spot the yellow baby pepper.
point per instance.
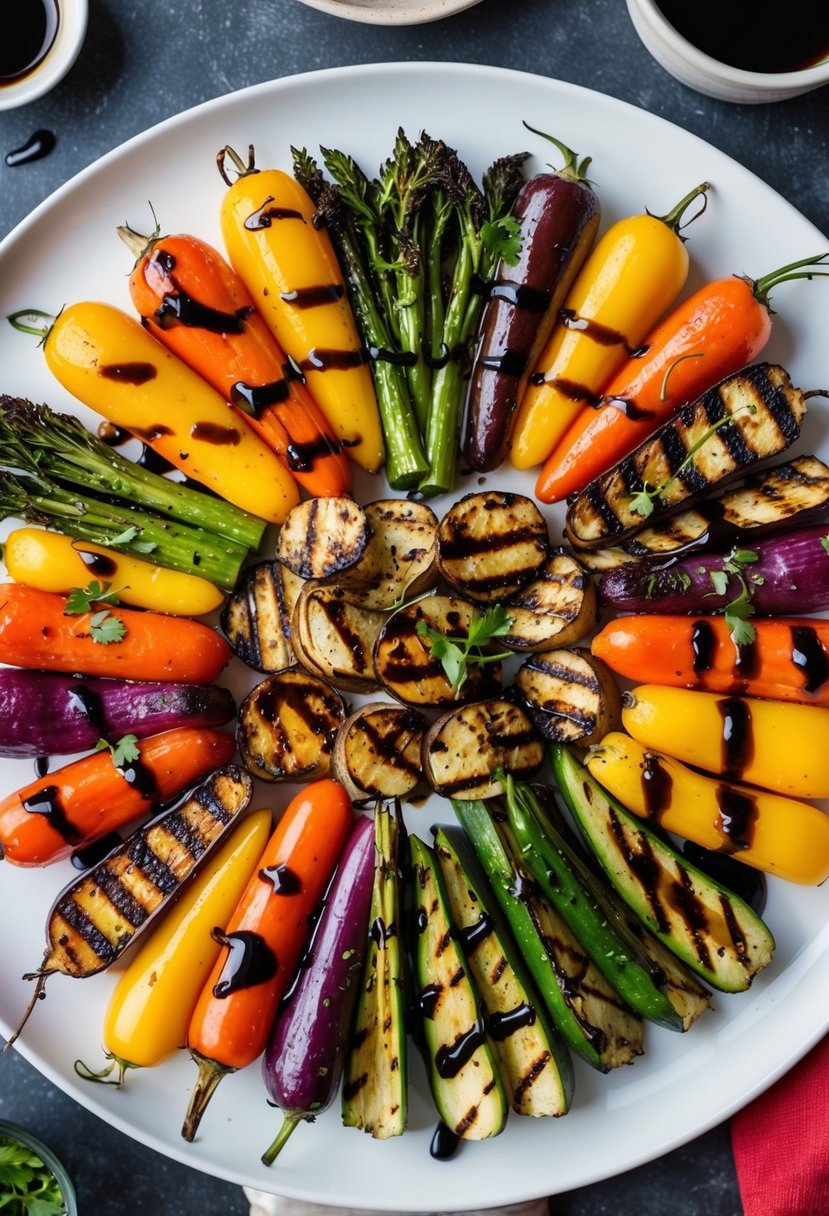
(150, 1007)
(51, 561)
(106, 359)
(291, 269)
(779, 835)
(631, 277)
(781, 746)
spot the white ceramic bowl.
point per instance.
(72, 23)
(391, 12)
(699, 71)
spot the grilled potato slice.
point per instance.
(400, 559)
(757, 414)
(334, 638)
(322, 536)
(403, 660)
(464, 748)
(377, 751)
(256, 619)
(286, 726)
(490, 544)
(557, 608)
(570, 695)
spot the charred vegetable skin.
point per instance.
(304, 1059)
(559, 216)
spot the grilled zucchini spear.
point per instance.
(100, 913)
(535, 1065)
(463, 1070)
(711, 929)
(375, 1076)
(748, 417)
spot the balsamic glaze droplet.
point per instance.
(444, 1143)
(37, 146)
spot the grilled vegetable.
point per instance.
(748, 417)
(559, 216)
(406, 667)
(334, 638)
(712, 930)
(67, 809)
(588, 1013)
(633, 274)
(463, 1071)
(722, 327)
(570, 696)
(107, 360)
(290, 268)
(787, 658)
(400, 557)
(491, 543)
(150, 1007)
(777, 835)
(796, 491)
(535, 1066)
(556, 608)
(286, 726)
(464, 749)
(375, 1076)
(322, 537)
(256, 618)
(552, 864)
(304, 1059)
(100, 913)
(264, 939)
(377, 751)
(192, 301)
(764, 579)
(51, 562)
(778, 746)
(45, 714)
(39, 631)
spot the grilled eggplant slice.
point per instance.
(536, 1067)
(375, 1075)
(334, 638)
(377, 751)
(403, 660)
(464, 748)
(750, 416)
(491, 544)
(322, 537)
(769, 500)
(712, 930)
(400, 558)
(286, 726)
(463, 1071)
(557, 608)
(108, 906)
(589, 1014)
(571, 696)
(256, 618)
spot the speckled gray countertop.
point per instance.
(143, 62)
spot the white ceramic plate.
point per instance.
(67, 250)
(391, 12)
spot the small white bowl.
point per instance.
(699, 71)
(391, 12)
(71, 31)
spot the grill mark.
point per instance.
(86, 929)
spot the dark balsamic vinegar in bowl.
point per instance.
(28, 40)
(762, 36)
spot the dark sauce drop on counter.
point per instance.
(767, 36)
(37, 146)
(27, 39)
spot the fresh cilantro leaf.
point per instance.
(503, 236)
(736, 618)
(123, 752)
(719, 581)
(106, 629)
(81, 599)
(824, 542)
(145, 546)
(124, 538)
(456, 653)
(27, 1185)
(642, 503)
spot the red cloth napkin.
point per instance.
(781, 1143)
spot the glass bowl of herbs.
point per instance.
(32, 1180)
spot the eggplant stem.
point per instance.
(38, 994)
(210, 1074)
(292, 1120)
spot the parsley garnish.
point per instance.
(27, 1185)
(738, 610)
(123, 752)
(824, 541)
(81, 599)
(503, 236)
(104, 628)
(456, 653)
